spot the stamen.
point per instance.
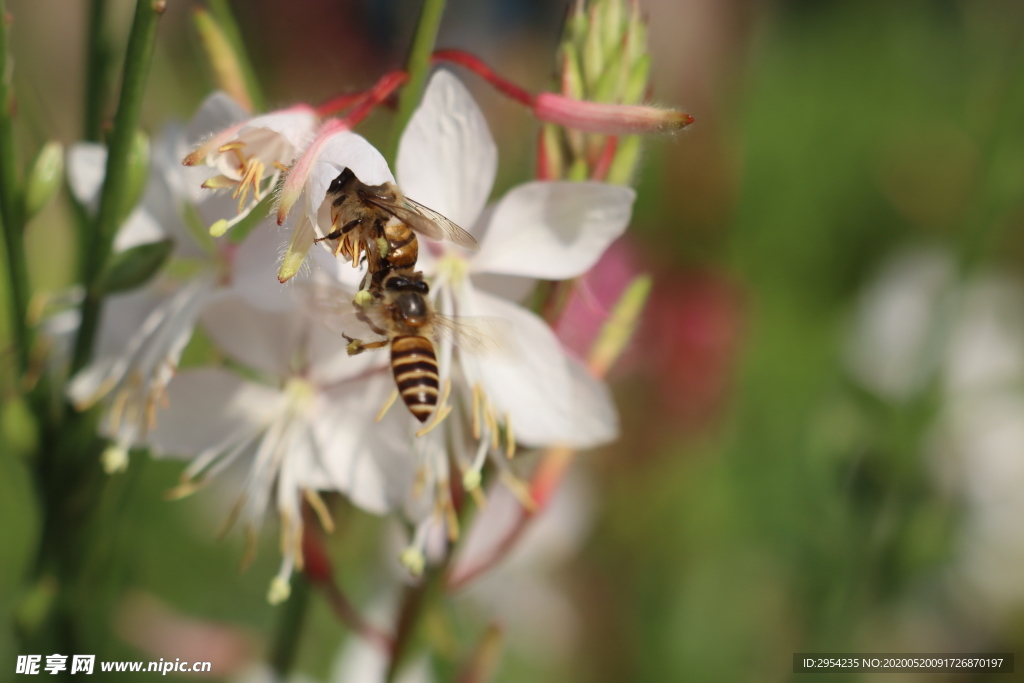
(387, 405)
(519, 489)
(450, 517)
(412, 558)
(280, 585)
(114, 459)
(250, 550)
(492, 423)
(471, 477)
(281, 167)
(219, 182)
(442, 411)
(320, 508)
(510, 437)
(117, 408)
(232, 517)
(476, 411)
(182, 490)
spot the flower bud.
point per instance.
(227, 69)
(44, 178)
(609, 119)
(138, 172)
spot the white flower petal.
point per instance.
(888, 348)
(217, 112)
(295, 126)
(347, 150)
(596, 417)
(533, 385)
(254, 271)
(553, 230)
(345, 446)
(205, 406)
(139, 228)
(447, 158)
(87, 166)
(264, 340)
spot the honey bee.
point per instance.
(400, 312)
(381, 222)
(404, 316)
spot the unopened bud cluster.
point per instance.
(604, 69)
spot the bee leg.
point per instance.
(338, 233)
(357, 346)
(361, 314)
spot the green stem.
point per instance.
(285, 647)
(418, 66)
(11, 209)
(415, 601)
(221, 10)
(115, 186)
(97, 70)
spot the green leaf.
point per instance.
(133, 267)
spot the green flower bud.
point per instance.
(138, 173)
(227, 68)
(45, 176)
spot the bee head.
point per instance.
(339, 183)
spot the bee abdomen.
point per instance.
(415, 368)
(403, 247)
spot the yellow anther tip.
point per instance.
(219, 228)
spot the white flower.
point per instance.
(918, 324)
(308, 428)
(553, 230)
(533, 394)
(897, 318)
(249, 155)
(143, 333)
(334, 149)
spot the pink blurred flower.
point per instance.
(688, 343)
(594, 296)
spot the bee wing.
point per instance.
(426, 222)
(333, 308)
(479, 335)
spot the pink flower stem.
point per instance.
(381, 91)
(339, 103)
(477, 66)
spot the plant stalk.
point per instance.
(97, 70)
(114, 196)
(11, 207)
(417, 66)
(285, 647)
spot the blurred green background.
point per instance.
(761, 501)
